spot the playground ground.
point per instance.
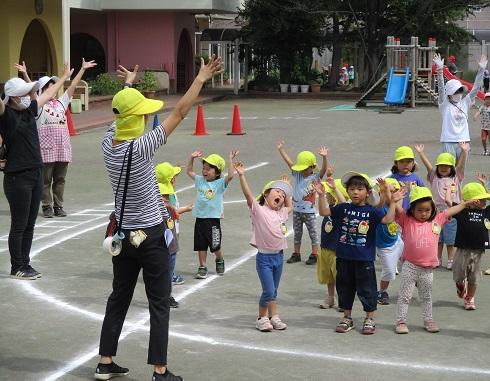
(50, 327)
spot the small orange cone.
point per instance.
(236, 127)
(69, 121)
(200, 127)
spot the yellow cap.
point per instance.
(339, 185)
(446, 158)
(165, 173)
(474, 191)
(346, 177)
(130, 106)
(216, 160)
(390, 181)
(403, 152)
(304, 160)
(277, 184)
(419, 192)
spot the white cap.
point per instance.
(43, 81)
(487, 95)
(454, 85)
(17, 87)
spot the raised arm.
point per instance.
(476, 115)
(483, 180)
(323, 207)
(465, 147)
(482, 65)
(78, 77)
(128, 76)
(207, 71)
(460, 207)
(420, 148)
(240, 169)
(53, 90)
(284, 155)
(439, 62)
(23, 69)
(323, 152)
(190, 165)
(340, 196)
(231, 169)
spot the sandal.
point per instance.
(329, 303)
(368, 327)
(345, 325)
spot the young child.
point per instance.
(166, 176)
(208, 208)
(471, 242)
(484, 112)
(326, 270)
(356, 247)
(421, 226)
(389, 247)
(304, 211)
(446, 175)
(269, 215)
(403, 171)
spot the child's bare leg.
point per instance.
(471, 290)
(202, 257)
(331, 294)
(314, 249)
(383, 285)
(219, 254)
(262, 311)
(450, 252)
(272, 308)
(440, 247)
(484, 144)
(297, 248)
(347, 313)
(370, 315)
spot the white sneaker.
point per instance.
(277, 323)
(264, 324)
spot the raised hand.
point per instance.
(88, 64)
(384, 188)
(285, 178)
(398, 195)
(127, 75)
(482, 178)
(438, 60)
(323, 151)
(280, 144)
(419, 148)
(209, 70)
(239, 167)
(21, 68)
(464, 146)
(233, 154)
(331, 182)
(318, 187)
(67, 72)
(483, 62)
(196, 154)
(330, 170)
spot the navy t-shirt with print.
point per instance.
(357, 235)
(329, 234)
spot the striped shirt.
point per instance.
(144, 205)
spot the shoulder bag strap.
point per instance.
(126, 182)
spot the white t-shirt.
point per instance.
(455, 120)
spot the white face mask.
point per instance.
(24, 102)
(456, 97)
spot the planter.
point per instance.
(294, 88)
(305, 88)
(284, 87)
(315, 87)
(150, 94)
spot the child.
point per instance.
(389, 247)
(166, 174)
(471, 242)
(304, 211)
(484, 112)
(356, 247)
(446, 175)
(326, 270)
(421, 226)
(269, 215)
(403, 171)
(208, 208)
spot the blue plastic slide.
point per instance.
(397, 87)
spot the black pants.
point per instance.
(153, 257)
(356, 276)
(23, 191)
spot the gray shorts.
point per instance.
(466, 265)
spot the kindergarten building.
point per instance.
(156, 34)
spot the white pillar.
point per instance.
(236, 64)
(65, 26)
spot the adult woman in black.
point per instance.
(22, 182)
(145, 215)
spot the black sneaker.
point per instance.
(47, 211)
(108, 371)
(311, 260)
(167, 376)
(295, 257)
(34, 271)
(59, 212)
(24, 273)
(173, 302)
(383, 298)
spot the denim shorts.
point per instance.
(448, 232)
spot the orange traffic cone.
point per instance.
(200, 127)
(69, 121)
(236, 127)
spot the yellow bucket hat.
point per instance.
(474, 191)
(130, 106)
(165, 173)
(419, 192)
(304, 160)
(403, 152)
(346, 177)
(446, 158)
(215, 160)
(339, 185)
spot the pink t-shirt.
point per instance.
(268, 228)
(421, 239)
(438, 184)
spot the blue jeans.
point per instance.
(269, 269)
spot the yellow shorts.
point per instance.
(326, 268)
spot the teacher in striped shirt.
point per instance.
(144, 211)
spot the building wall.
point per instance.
(94, 24)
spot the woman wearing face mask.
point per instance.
(454, 104)
(22, 182)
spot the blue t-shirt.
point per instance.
(303, 192)
(357, 236)
(209, 199)
(410, 181)
(330, 234)
(387, 235)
